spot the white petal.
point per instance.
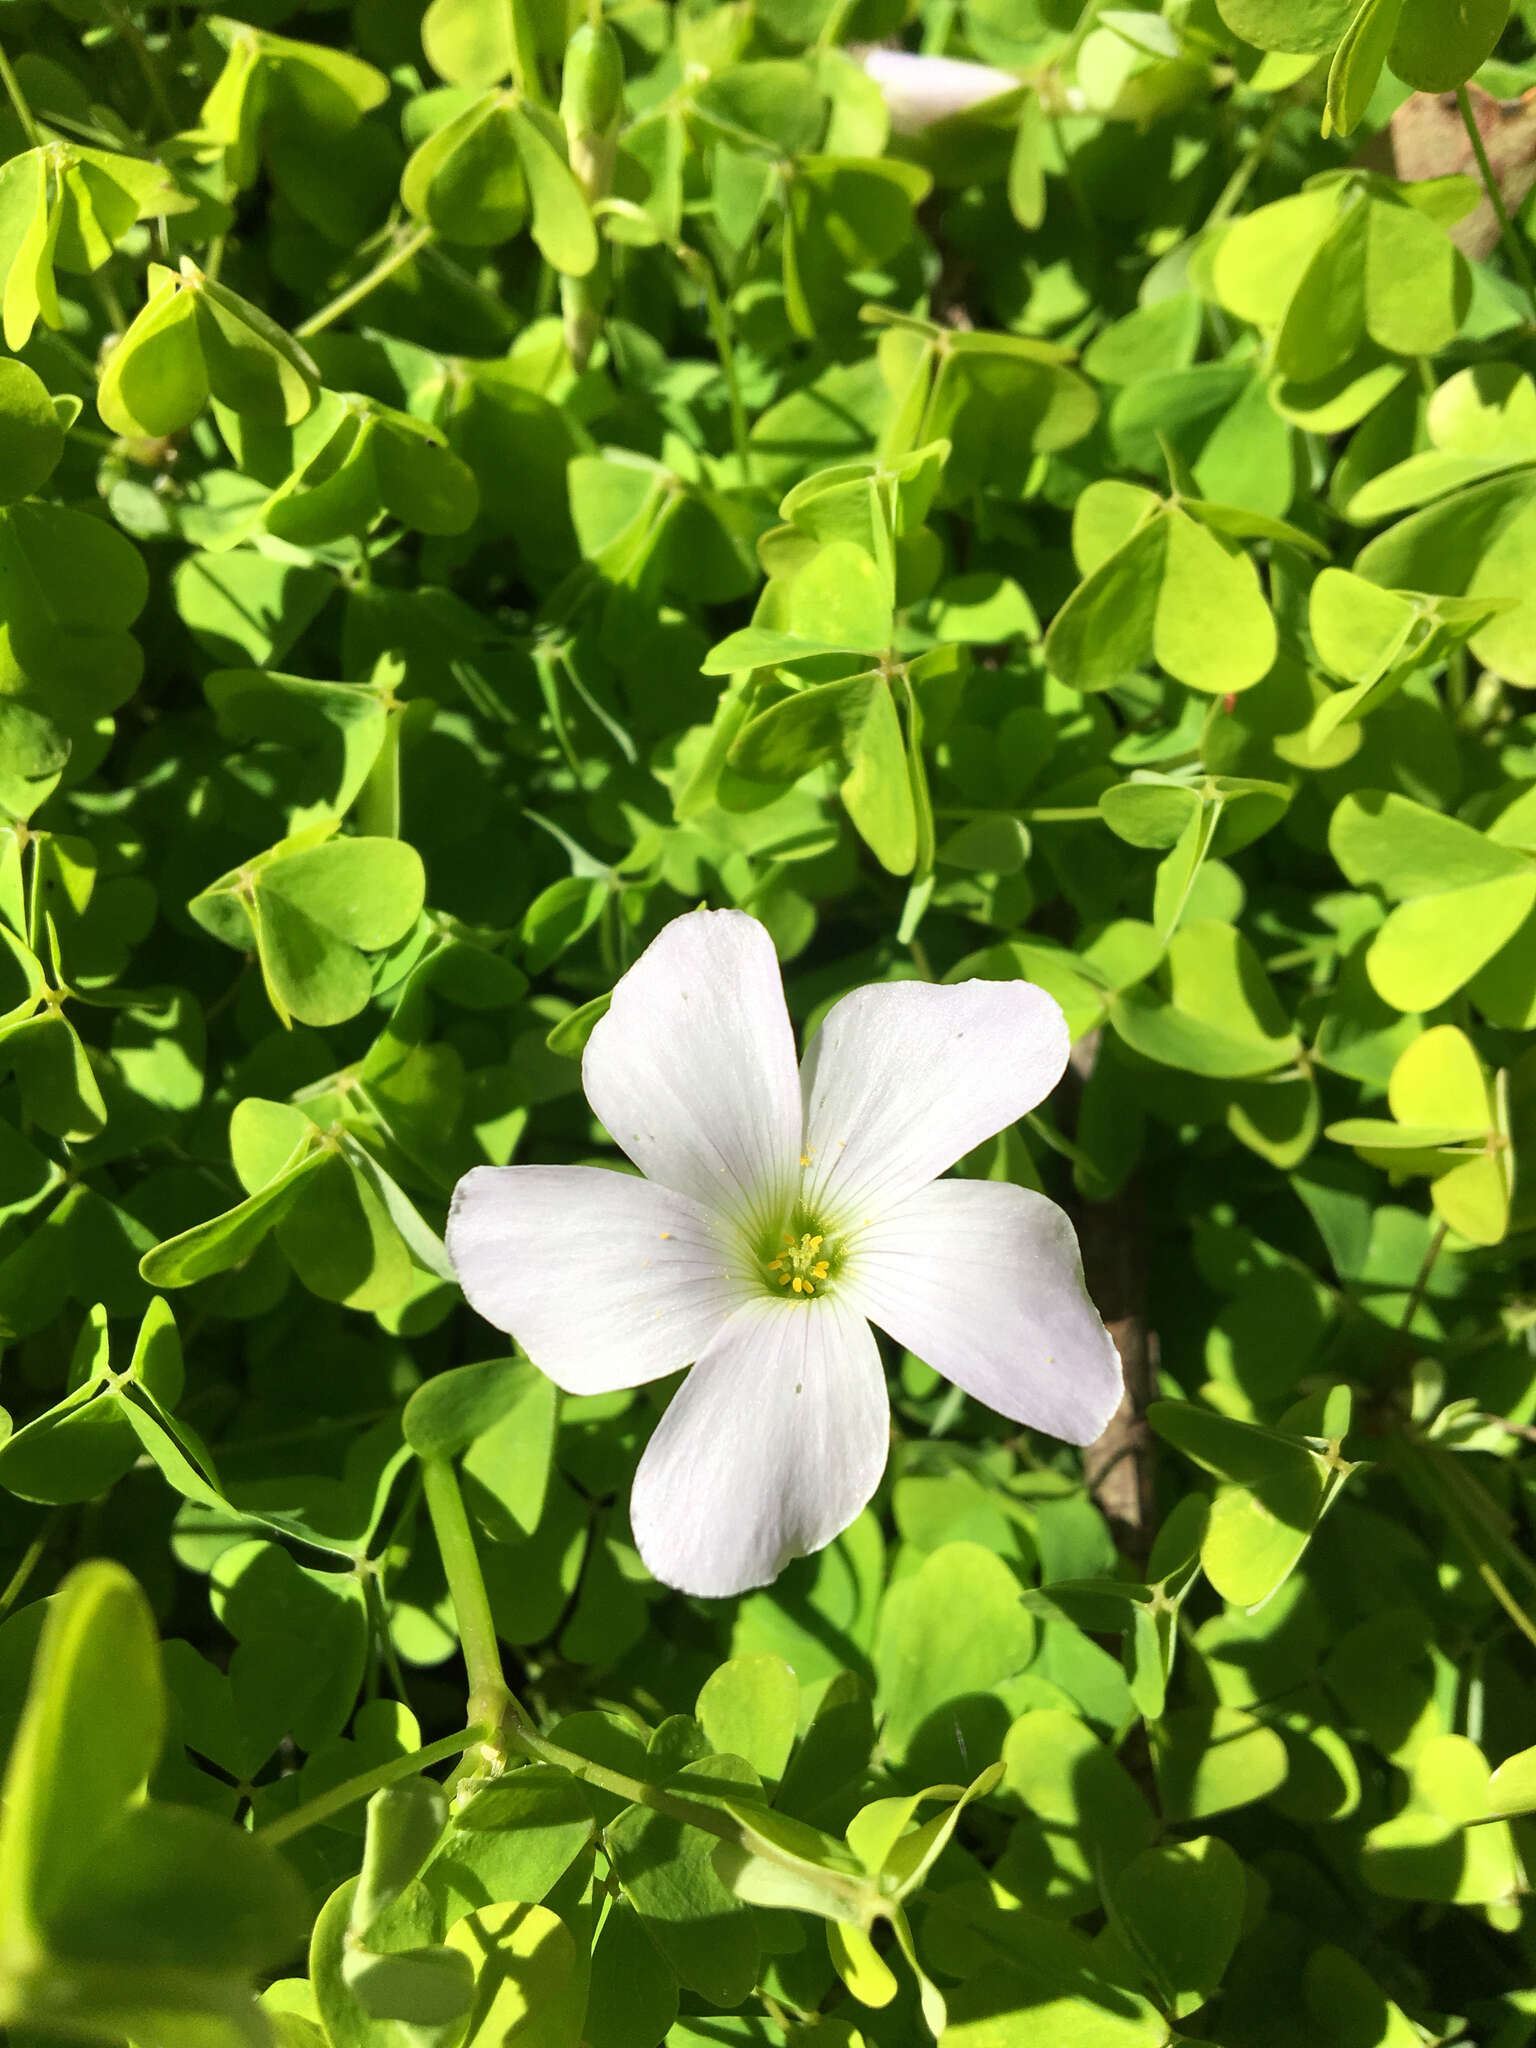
(692, 1071)
(905, 1078)
(920, 90)
(984, 1281)
(606, 1280)
(771, 1446)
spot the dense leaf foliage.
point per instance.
(477, 480)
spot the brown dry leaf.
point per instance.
(1426, 139)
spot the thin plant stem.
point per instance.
(718, 315)
(489, 1697)
(378, 1615)
(31, 1559)
(18, 100)
(1253, 158)
(1466, 1534)
(133, 36)
(369, 282)
(1421, 1279)
(526, 76)
(711, 1819)
(350, 1790)
(832, 27)
(502, 1722)
(1513, 245)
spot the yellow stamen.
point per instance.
(800, 1265)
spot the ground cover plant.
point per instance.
(479, 481)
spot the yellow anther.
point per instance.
(799, 1265)
(666, 1233)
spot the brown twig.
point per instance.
(1114, 1241)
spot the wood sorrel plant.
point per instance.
(1013, 518)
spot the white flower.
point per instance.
(781, 1212)
(920, 90)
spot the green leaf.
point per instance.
(1428, 1851)
(445, 1416)
(632, 2001)
(466, 179)
(247, 607)
(1180, 1910)
(668, 1874)
(1209, 1760)
(879, 786)
(1512, 1787)
(1310, 27)
(33, 753)
(69, 1780)
(31, 432)
(1435, 50)
(184, 1889)
(513, 1840)
(750, 1707)
(1462, 897)
(1170, 593)
(1083, 1815)
(1479, 542)
(952, 1630)
(228, 1240)
(73, 1451)
(56, 1078)
(562, 223)
(1220, 1016)
(1357, 63)
(155, 380)
(841, 599)
(465, 44)
(1344, 2000)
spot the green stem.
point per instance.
(525, 54)
(1232, 192)
(1421, 1279)
(378, 1617)
(378, 801)
(287, 1825)
(712, 1820)
(133, 36)
(1482, 1563)
(1514, 247)
(18, 100)
(370, 281)
(832, 27)
(718, 315)
(489, 1697)
(32, 1557)
(1066, 814)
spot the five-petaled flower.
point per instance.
(780, 1213)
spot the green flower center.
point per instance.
(804, 1260)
